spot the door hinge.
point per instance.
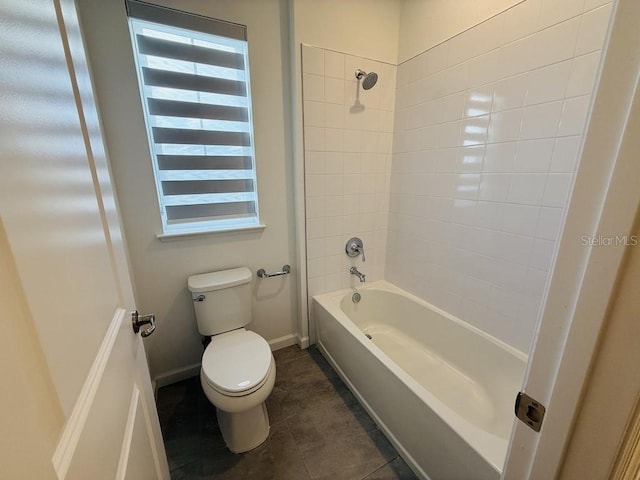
(529, 411)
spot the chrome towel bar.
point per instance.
(286, 269)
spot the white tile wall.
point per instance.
(487, 131)
(348, 137)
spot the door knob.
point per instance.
(138, 320)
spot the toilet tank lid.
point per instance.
(208, 282)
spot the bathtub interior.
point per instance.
(470, 372)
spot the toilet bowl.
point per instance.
(238, 370)
(237, 375)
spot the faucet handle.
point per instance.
(354, 247)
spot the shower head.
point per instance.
(368, 79)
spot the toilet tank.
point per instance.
(222, 300)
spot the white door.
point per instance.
(602, 209)
(68, 272)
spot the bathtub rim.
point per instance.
(385, 285)
(472, 434)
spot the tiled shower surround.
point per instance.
(348, 135)
(487, 131)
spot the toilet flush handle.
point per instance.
(199, 298)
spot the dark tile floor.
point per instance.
(318, 430)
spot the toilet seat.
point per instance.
(237, 363)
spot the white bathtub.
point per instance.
(441, 390)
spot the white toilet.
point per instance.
(238, 370)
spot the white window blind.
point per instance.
(194, 82)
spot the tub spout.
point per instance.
(354, 271)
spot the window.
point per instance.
(194, 82)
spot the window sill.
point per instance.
(167, 237)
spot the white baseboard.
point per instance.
(175, 375)
(303, 342)
(284, 341)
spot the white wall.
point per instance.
(426, 23)
(347, 140)
(487, 131)
(160, 269)
(365, 29)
